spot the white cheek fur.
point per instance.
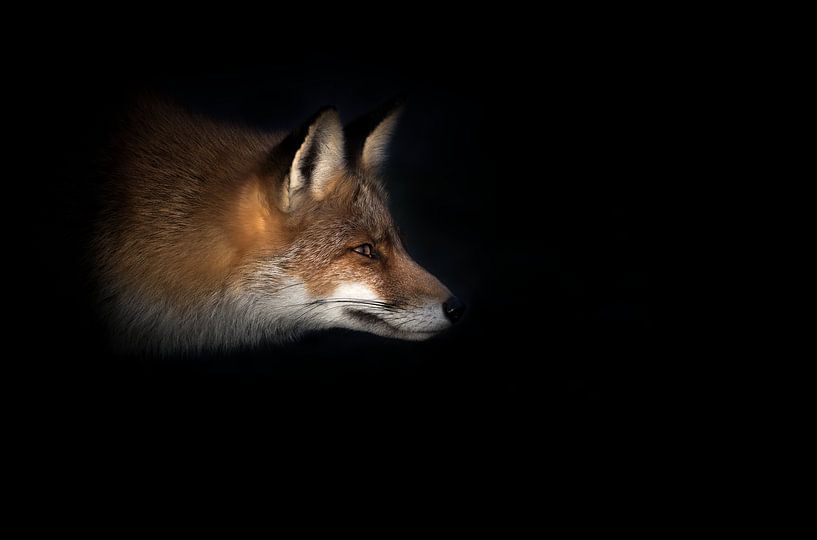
(353, 291)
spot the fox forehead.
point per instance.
(357, 209)
(371, 209)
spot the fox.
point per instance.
(215, 236)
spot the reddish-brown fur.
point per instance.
(194, 211)
(172, 237)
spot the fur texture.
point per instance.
(218, 236)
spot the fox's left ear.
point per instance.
(308, 160)
(367, 138)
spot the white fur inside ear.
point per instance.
(376, 144)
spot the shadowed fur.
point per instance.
(216, 236)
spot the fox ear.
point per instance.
(370, 134)
(317, 160)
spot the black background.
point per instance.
(523, 173)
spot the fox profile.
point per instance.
(217, 236)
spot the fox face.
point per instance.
(355, 272)
(274, 236)
(346, 262)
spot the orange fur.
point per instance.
(201, 224)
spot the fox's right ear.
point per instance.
(309, 159)
(368, 137)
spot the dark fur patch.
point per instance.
(310, 161)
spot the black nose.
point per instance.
(453, 309)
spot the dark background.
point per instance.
(523, 173)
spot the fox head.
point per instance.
(335, 257)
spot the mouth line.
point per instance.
(371, 318)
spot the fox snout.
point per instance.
(423, 310)
(380, 290)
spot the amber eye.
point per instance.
(366, 250)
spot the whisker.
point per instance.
(359, 300)
(368, 303)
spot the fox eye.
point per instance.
(366, 250)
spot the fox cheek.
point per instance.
(341, 277)
(355, 291)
